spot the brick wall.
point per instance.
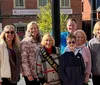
(77, 13)
(30, 4)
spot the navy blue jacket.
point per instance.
(71, 68)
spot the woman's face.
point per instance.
(48, 42)
(9, 34)
(34, 30)
(80, 39)
(98, 33)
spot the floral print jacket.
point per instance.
(28, 56)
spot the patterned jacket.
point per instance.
(45, 71)
(28, 56)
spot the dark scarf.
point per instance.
(15, 66)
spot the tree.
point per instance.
(45, 19)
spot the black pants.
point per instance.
(96, 80)
(85, 83)
(5, 81)
(34, 82)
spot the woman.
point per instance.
(10, 56)
(71, 28)
(94, 45)
(47, 61)
(81, 40)
(29, 47)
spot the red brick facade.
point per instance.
(8, 18)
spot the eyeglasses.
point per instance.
(10, 32)
(73, 42)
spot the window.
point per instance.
(65, 3)
(19, 3)
(42, 2)
(20, 29)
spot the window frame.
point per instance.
(64, 6)
(19, 6)
(38, 4)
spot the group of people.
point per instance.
(42, 63)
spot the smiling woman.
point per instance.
(10, 56)
(29, 47)
(48, 61)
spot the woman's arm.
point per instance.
(63, 75)
(39, 68)
(25, 51)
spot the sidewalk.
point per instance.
(21, 82)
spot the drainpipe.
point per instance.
(93, 15)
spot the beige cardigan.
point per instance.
(5, 71)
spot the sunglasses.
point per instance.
(10, 32)
(73, 42)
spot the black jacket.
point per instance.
(71, 68)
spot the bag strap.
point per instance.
(49, 59)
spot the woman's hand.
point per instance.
(86, 78)
(45, 84)
(30, 78)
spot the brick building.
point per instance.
(87, 10)
(20, 12)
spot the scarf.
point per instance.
(83, 51)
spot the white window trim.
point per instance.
(38, 4)
(20, 24)
(65, 6)
(19, 6)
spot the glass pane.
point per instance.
(64, 2)
(45, 2)
(16, 2)
(19, 2)
(42, 2)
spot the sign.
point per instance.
(66, 11)
(36, 11)
(26, 11)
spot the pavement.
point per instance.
(90, 82)
(22, 82)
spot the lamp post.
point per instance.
(56, 21)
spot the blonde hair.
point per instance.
(46, 36)
(16, 40)
(96, 26)
(28, 34)
(83, 33)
